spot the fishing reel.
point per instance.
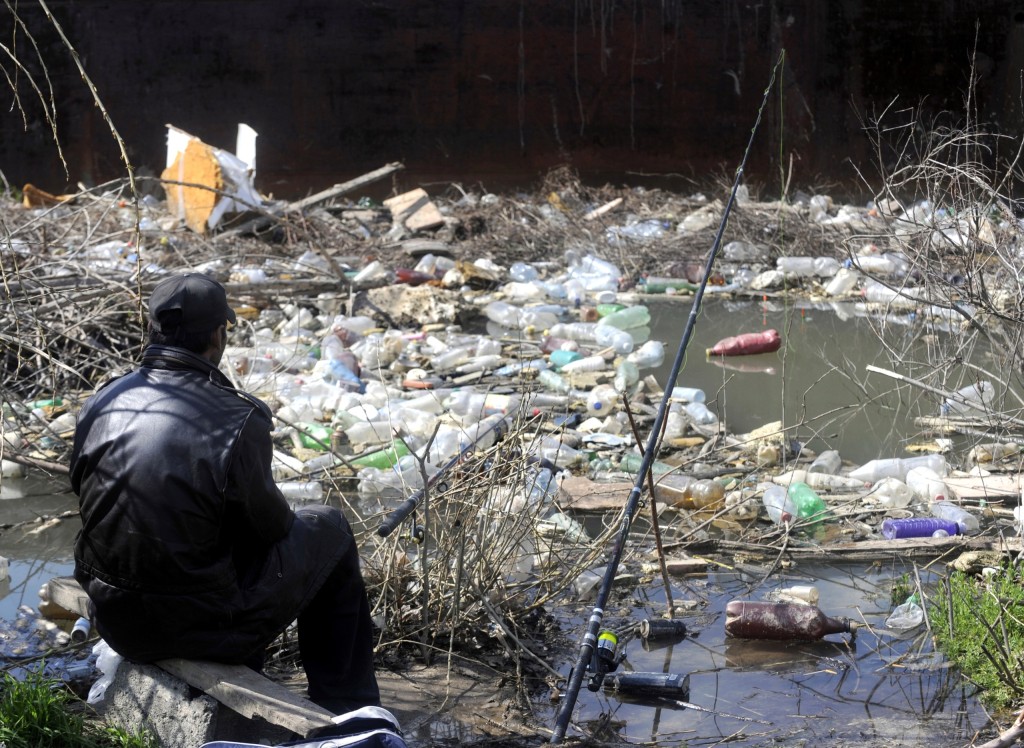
(606, 658)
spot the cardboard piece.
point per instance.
(414, 210)
(204, 184)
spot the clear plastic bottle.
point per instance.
(585, 364)
(627, 376)
(828, 461)
(892, 493)
(688, 394)
(522, 272)
(601, 399)
(843, 282)
(302, 490)
(967, 522)
(802, 594)
(700, 414)
(896, 467)
(974, 398)
(581, 332)
(608, 336)
(781, 509)
(554, 381)
(648, 356)
(926, 484)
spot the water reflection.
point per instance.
(817, 384)
(875, 688)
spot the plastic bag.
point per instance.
(107, 661)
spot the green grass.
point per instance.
(986, 640)
(38, 712)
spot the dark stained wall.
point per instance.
(498, 91)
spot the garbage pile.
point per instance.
(508, 328)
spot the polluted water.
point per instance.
(863, 684)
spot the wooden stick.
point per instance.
(955, 396)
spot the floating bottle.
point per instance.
(628, 317)
(608, 336)
(747, 619)
(652, 685)
(705, 493)
(748, 343)
(627, 376)
(974, 398)
(554, 381)
(800, 594)
(828, 462)
(820, 480)
(382, 458)
(658, 284)
(561, 357)
(809, 506)
(918, 527)
(601, 400)
(688, 394)
(585, 364)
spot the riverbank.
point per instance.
(473, 304)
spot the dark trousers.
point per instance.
(336, 640)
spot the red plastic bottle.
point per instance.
(746, 619)
(748, 343)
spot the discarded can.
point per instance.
(660, 632)
(658, 685)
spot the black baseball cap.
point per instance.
(191, 302)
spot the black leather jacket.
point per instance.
(187, 547)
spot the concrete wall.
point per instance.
(500, 91)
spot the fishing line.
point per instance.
(589, 640)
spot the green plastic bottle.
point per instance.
(630, 463)
(315, 435)
(383, 458)
(809, 506)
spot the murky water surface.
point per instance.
(879, 689)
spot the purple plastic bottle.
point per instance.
(918, 527)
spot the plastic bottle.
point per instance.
(752, 619)
(384, 457)
(585, 364)
(906, 616)
(781, 509)
(740, 251)
(971, 399)
(302, 490)
(747, 344)
(799, 266)
(581, 332)
(701, 494)
(601, 399)
(842, 283)
(648, 356)
(560, 358)
(918, 527)
(688, 394)
(892, 493)
(926, 484)
(819, 480)
(896, 467)
(828, 462)
(627, 376)
(652, 685)
(809, 506)
(554, 381)
(522, 272)
(609, 336)
(700, 414)
(967, 522)
(801, 594)
(656, 284)
(630, 463)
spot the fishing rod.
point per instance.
(406, 507)
(590, 638)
